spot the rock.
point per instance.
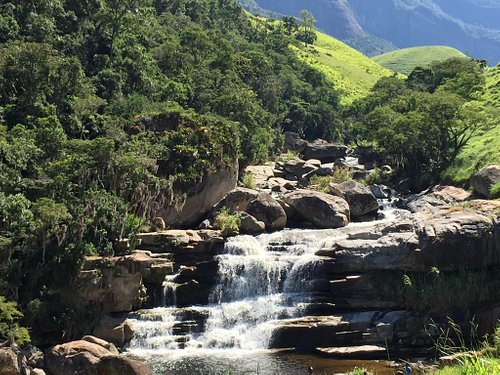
(236, 200)
(205, 224)
(483, 180)
(119, 365)
(359, 197)
(381, 191)
(293, 142)
(116, 330)
(37, 371)
(355, 352)
(74, 357)
(200, 199)
(450, 194)
(158, 224)
(261, 173)
(250, 225)
(9, 364)
(323, 210)
(34, 357)
(96, 340)
(325, 152)
(368, 156)
(266, 209)
(298, 167)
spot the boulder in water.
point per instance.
(360, 198)
(321, 209)
(115, 330)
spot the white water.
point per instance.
(261, 281)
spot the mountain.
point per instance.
(406, 59)
(376, 26)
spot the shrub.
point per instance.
(320, 183)
(495, 191)
(248, 180)
(227, 222)
(10, 329)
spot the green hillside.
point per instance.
(351, 72)
(483, 149)
(405, 60)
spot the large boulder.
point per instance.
(236, 200)
(360, 198)
(119, 365)
(483, 180)
(299, 168)
(266, 209)
(115, 330)
(321, 209)
(76, 357)
(293, 142)
(200, 199)
(325, 152)
(9, 364)
(91, 356)
(250, 225)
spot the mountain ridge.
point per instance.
(372, 27)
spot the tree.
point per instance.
(10, 329)
(307, 34)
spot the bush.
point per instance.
(248, 180)
(495, 191)
(320, 183)
(10, 329)
(227, 222)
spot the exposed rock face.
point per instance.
(117, 365)
(201, 199)
(360, 198)
(325, 152)
(266, 209)
(483, 180)
(323, 210)
(8, 362)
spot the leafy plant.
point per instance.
(495, 191)
(321, 183)
(248, 180)
(227, 222)
(10, 329)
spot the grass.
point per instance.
(484, 359)
(483, 149)
(405, 60)
(248, 180)
(351, 72)
(228, 223)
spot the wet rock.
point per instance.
(118, 331)
(381, 191)
(119, 365)
(483, 180)
(8, 362)
(266, 209)
(354, 352)
(359, 197)
(250, 225)
(325, 152)
(323, 210)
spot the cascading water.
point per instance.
(260, 281)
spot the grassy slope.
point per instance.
(483, 149)
(405, 60)
(350, 71)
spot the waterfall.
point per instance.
(261, 280)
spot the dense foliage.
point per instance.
(110, 109)
(420, 124)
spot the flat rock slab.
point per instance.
(354, 352)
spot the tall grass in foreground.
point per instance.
(484, 359)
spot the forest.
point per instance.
(78, 171)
